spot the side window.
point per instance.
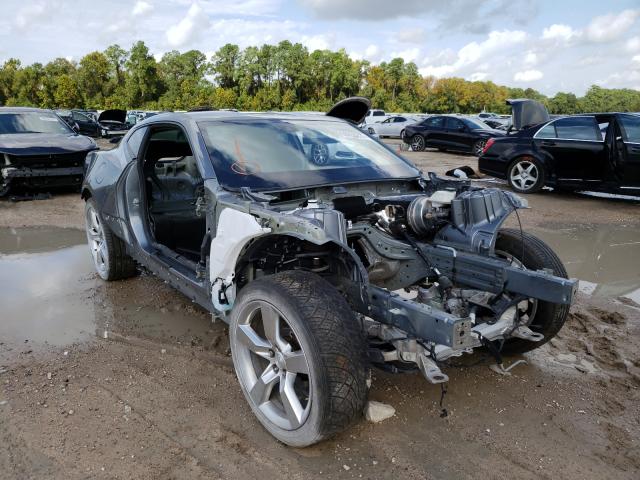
(548, 131)
(630, 128)
(578, 128)
(400, 119)
(79, 117)
(378, 113)
(437, 122)
(454, 123)
(135, 139)
(388, 120)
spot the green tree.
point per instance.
(142, 82)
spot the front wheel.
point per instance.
(108, 251)
(528, 251)
(526, 175)
(299, 355)
(417, 143)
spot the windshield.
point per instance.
(275, 154)
(31, 122)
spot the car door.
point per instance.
(457, 134)
(384, 128)
(433, 130)
(629, 146)
(576, 147)
(85, 125)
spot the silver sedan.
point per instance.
(392, 126)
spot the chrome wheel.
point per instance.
(479, 147)
(417, 143)
(97, 242)
(319, 154)
(271, 365)
(524, 175)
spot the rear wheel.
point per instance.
(526, 175)
(478, 147)
(417, 143)
(528, 251)
(299, 355)
(108, 251)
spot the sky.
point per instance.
(559, 45)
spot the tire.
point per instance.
(417, 143)
(478, 147)
(314, 321)
(526, 175)
(108, 251)
(545, 317)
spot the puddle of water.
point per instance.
(51, 296)
(38, 239)
(605, 258)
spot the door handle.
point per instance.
(548, 143)
(635, 149)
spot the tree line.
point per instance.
(285, 76)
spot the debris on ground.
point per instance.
(377, 411)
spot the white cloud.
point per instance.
(636, 59)
(531, 58)
(528, 76)
(633, 44)
(410, 35)
(318, 42)
(478, 76)
(474, 52)
(32, 13)
(141, 8)
(190, 27)
(409, 55)
(559, 31)
(607, 28)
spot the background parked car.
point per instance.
(40, 149)
(374, 116)
(450, 133)
(570, 153)
(392, 126)
(113, 123)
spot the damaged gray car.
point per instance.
(38, 149)
(321, 270)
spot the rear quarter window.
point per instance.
(578, 128)
(548, 131)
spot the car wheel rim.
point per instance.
(418, 143)
(272, 365)
(319, 154)
(97, 243)
(525, 175)
(480, 147)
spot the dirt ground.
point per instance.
(131, 380)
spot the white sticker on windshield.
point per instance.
(49, 119)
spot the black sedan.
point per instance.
(38, 149)
(450, 133)
(598, 152)
(113, 123)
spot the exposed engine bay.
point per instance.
(432, 285)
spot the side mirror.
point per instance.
(75, 127)
(115, 140)
(462, 128)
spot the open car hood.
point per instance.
(113, 115)
(526, 112)
(353, 109)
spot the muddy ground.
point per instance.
(131, 380)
